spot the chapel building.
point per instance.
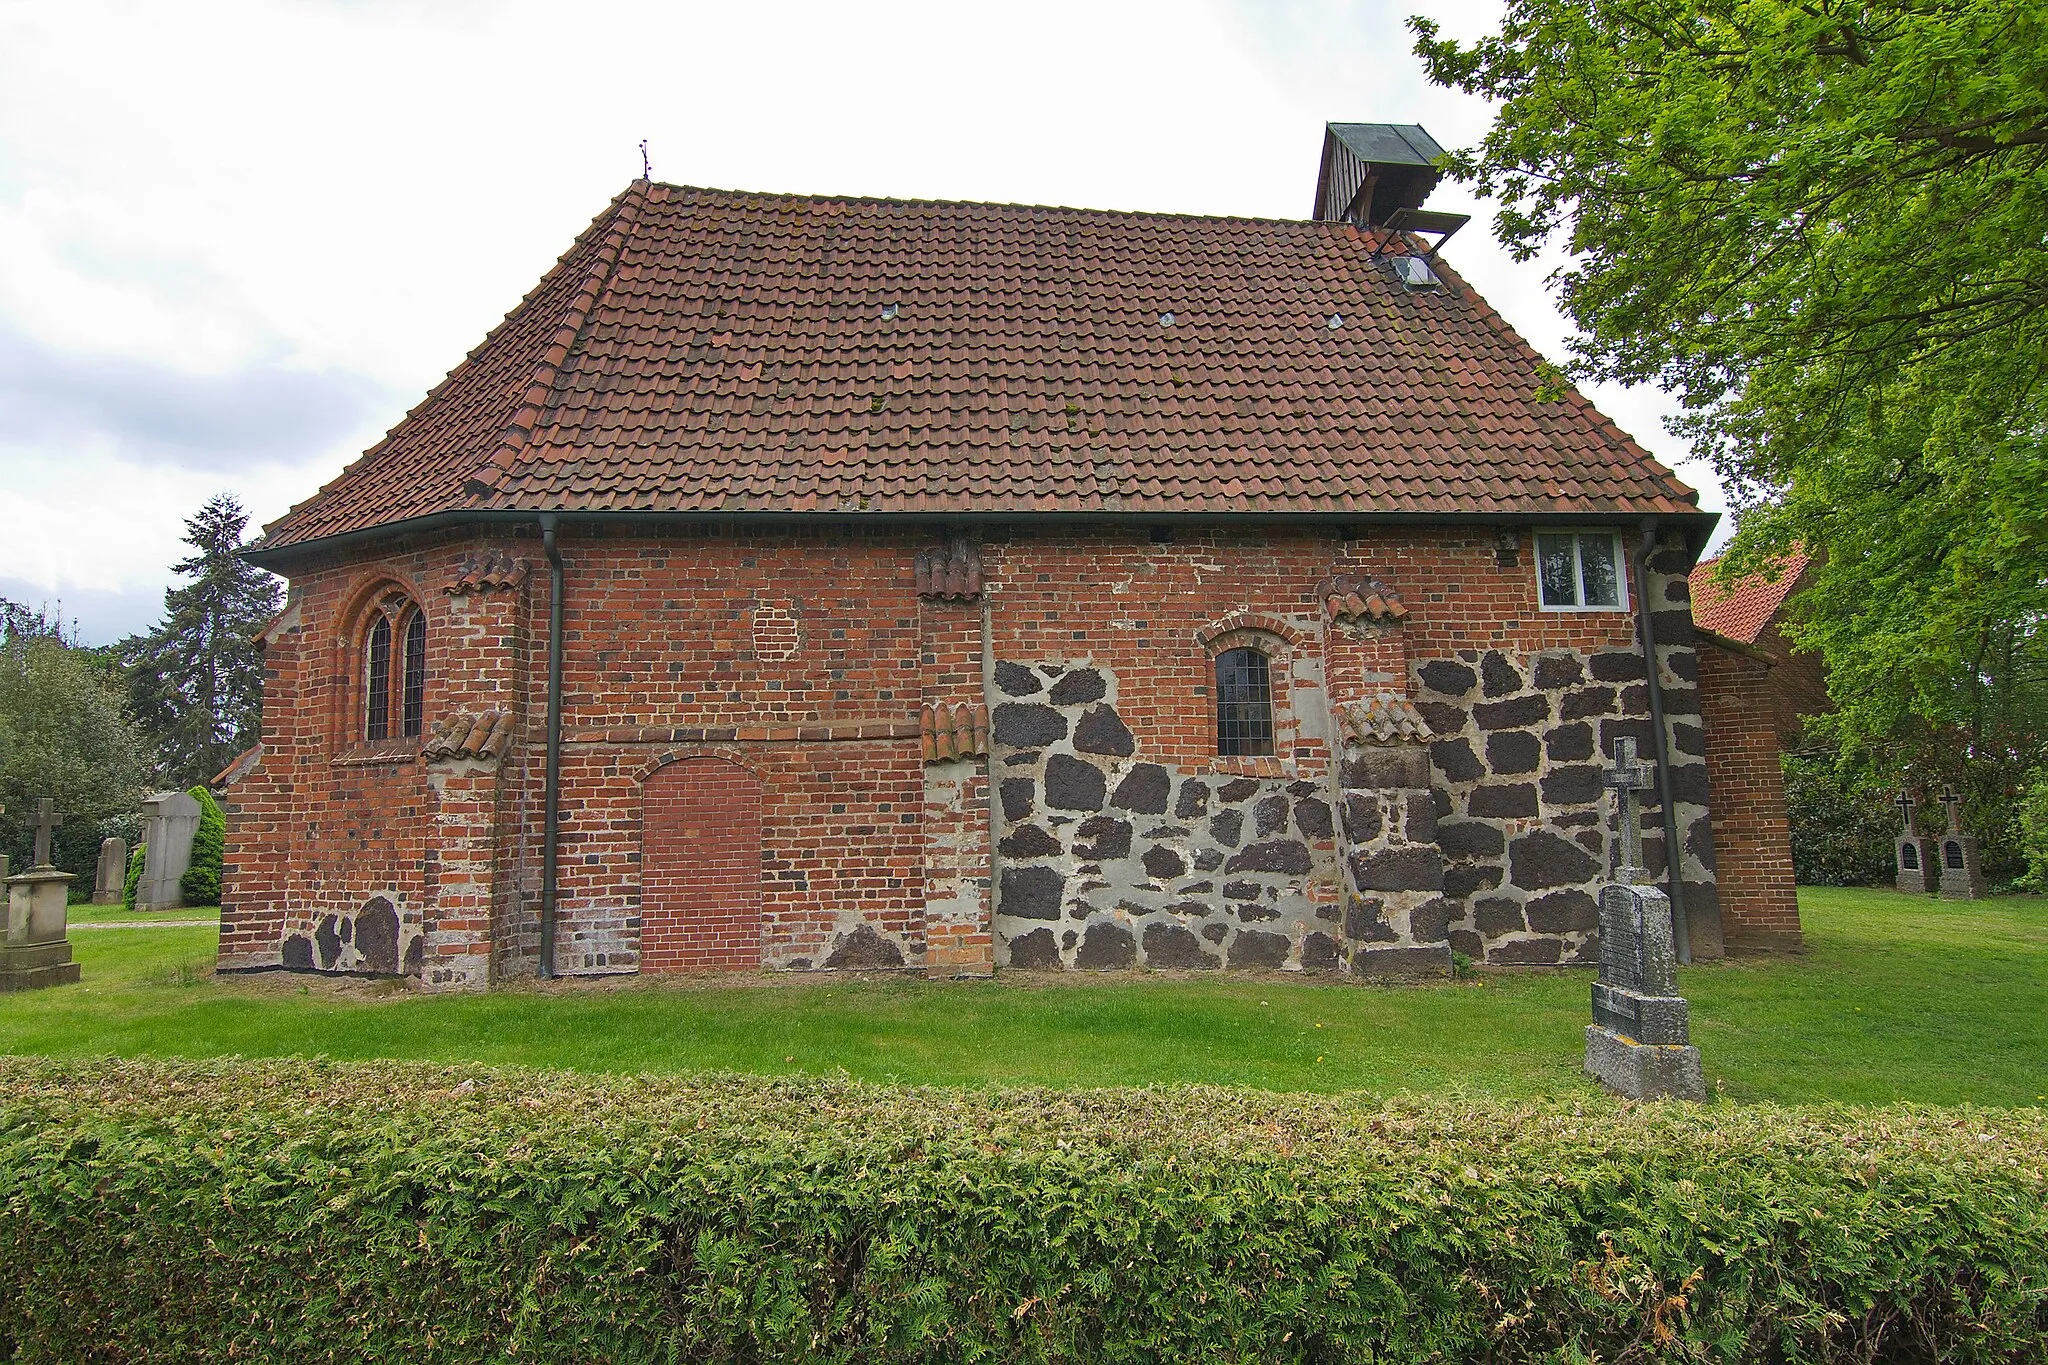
(819, 583)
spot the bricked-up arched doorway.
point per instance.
(700, 867)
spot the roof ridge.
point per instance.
(458, 371)
(540, 385)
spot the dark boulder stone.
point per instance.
(1415, 868)
(1028, 758)
(1027, 725)
(416, 955)
(1540, 859)
(1564, 912)
(1684, 665)
(1365, 921)
(1208, 859)
(1243, 891)
(1257, 948)
(1035, 950)
(1420, 825)
(1500, 800)
(297, 953)
(1386, 767)
(1570, 743)
(1430, 921)
(1319, 953)
(1083, 684)
(1171, 946)
(1456, 761)
(1019, 795)
(1144, 789)
(1470, 944)
(1016, 680)
(1671, 561)
(1071, 784)
(1513, 751)
(1497, 915)
(1470, 839)
(1635, 699)
(377, 936)
(1193, 802)
(1572, 786)
(1236, 790)
(1376, 963)
(1637, 730)
(1102, 731)
(1028, 841)
(864, 950)
(348, 929)
(1688, 739)
(1106, 947)
(1163, 863)
(1699, 839)
(1575, 819)
(1167, 832)
(1525, 952)
(1215, 933)
(1443, 718)
(1032, 892)
(1673, 626)
(1195, 908)
(1102, 836)
(1312, 817)
(1226, 827)
(1617, 665)
(1559, 670)
(1275, 855)
(1465, 879)
(1269, 816)
(1501, 677)
(1069, 938)
(1689, 785)
(328, 938)
(1451, 679)
(1251, 912)
(1362, 819)
(1586, 701)
(1512, 714)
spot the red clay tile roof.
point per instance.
(705, 350)
(1742, 613)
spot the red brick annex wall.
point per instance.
(1748, 725)
(700, 866)
(804, 658)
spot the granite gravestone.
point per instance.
(1639, 1044)
(1962, 876)
(169, 820)
(1919, 865)
(110, 878)
(34, 949)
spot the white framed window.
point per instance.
(1580, 571)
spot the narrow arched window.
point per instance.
(377, 685)
(413, 703)
(1244, 703)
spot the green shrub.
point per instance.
(136, 857)
(304, 1211)
(201, 883)
(2033, 832)
(1842, 822)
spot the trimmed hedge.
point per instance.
(201, 883)
(132, 883)
(304, 1211)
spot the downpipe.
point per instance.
(1660, 745)
(550, 866)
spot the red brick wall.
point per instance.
(700, 894)
(1743, 706)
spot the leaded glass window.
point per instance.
(413, 706)
(377, 686)
(1244, 703)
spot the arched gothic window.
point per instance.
(1244, 703)
(399, 689)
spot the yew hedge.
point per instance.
(303, 1211)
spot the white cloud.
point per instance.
(344, 196)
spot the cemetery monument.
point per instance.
(34, 951)
(169, 820)
(110, 878)
(1962, 875)
(1639, 1043)
(1919, 868)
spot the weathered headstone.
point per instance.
(34, 951)
(1962, 876)
(110, 878)
(169, 820)
(1639, 1043)
(1917, 859)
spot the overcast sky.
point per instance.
(239, 238)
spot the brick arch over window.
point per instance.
(1276, 641)
(381, 652)
(700, 865)
(1248, 623)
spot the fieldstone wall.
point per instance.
(1397, 920)
(1108, 860)
(372, 941)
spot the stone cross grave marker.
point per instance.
(1918, 873)
(1639, 1043)
(110, 877)
(1962, 874)
(47, 821)
(34, 948)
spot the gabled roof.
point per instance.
(1741, 613)
(706, 351)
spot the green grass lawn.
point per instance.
(1899, 999)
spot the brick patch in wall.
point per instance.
(700, 900)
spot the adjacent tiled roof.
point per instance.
(1742, 613)
(1361, 597)
(467, 734)
(953, 730)
(1384, 718)
(704, 350)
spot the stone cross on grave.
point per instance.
(1905, 802)
(47, 820)
(1952, 801)
(1627, 777)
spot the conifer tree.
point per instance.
(195, 683)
